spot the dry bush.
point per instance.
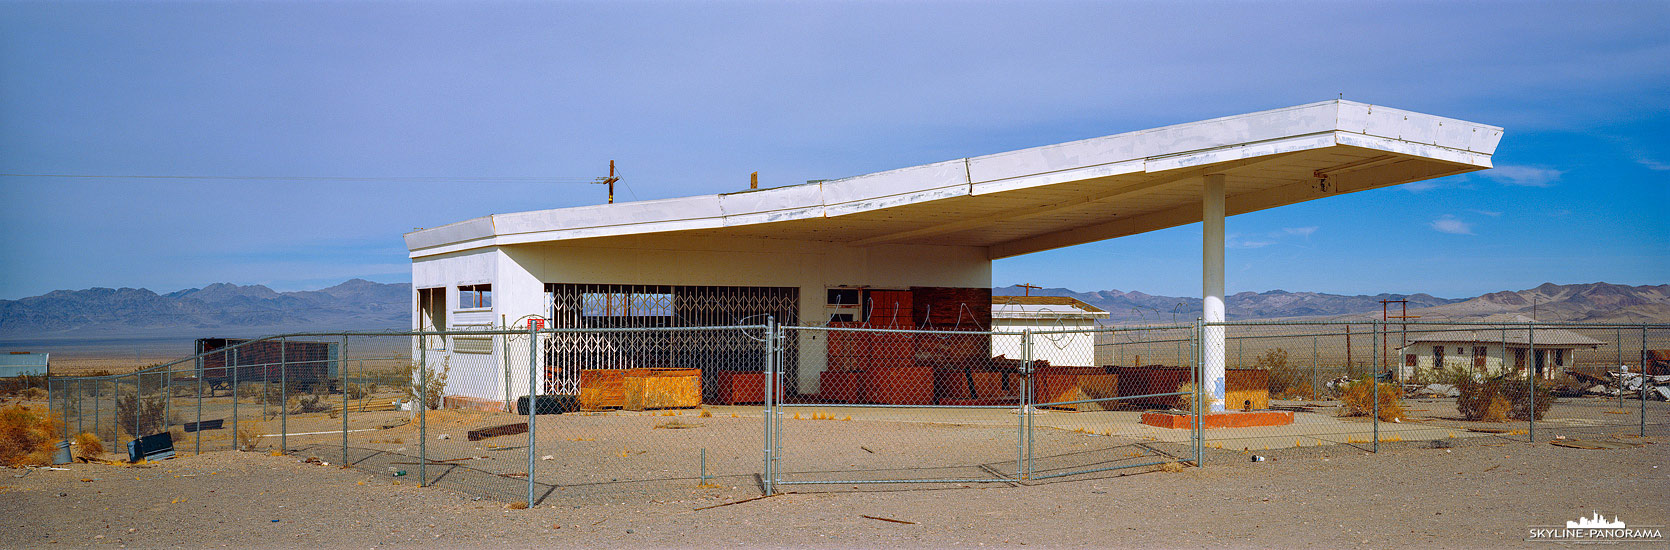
(88, 446)
(34, 394)
(248, 436)
(432, 384)
(1358, 397)
(1187, 402)
(1171, 467)
(357, 391)
(1500, 398)
(26, 437)
(312, 404)
(1287, 381)
(140, 416)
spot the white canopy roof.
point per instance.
(1046, 197)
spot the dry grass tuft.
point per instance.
(1358, 397)
(248, 436)
(676, 425)
(1187, 402)
(88, 447)
(518, 505)
(1171, 467)
(706, 414)
(26, 438)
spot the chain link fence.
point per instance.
(585, 415)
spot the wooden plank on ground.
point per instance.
(496, 431)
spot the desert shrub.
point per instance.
(1187, 402)
(1500, 398)
(1287, 381)
(1358, 398)
(21, 385)
(357, 391)
(26, 437)
(34, 394)
(139, 416)
(88, 446)
(247, 390)
(248, 436)
(433, 386)
(311, 404)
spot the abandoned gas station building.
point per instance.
(907, 248)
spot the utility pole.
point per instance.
(1029, 288)
(610, 181)
(1404, 340)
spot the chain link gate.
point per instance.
(894, 406)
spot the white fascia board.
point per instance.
(895, 187)
(1436, 152)
(467, 230)
(1256, 127)
(1240, 152)
(1413, 127)
(795, 202)
(1062, 176)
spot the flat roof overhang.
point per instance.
(1046, 197)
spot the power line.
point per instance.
(410, 179)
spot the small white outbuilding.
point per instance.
(1046, 315)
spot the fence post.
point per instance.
(168, 398)
(1531, 380)
(1618, 336)
(1315, 388)
(283, 397)
(422, 405)
(770, 402)
(533, 403)
(138, 405)
(1026, 401)
(1199, 401)
(198, 446)
(234, 366)
(342, 374)
(1374, 380)
(1643, 369)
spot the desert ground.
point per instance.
(633, 480)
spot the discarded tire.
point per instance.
(548, 404)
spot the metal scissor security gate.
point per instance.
(936, 407)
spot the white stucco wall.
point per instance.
(1072, 350)
(1495, 358)
(518, 274)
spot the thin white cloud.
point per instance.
(1420, 186)
(1452, 225)
(1491, 213)
(1300, 231)
(1529, 176)
(1652, 164)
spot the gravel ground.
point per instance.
(1476, 496)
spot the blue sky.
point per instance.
(445, 106)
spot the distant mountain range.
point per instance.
(1589, 303)
(224, 309)
(220, 309)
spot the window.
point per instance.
(1409, 360)
(475, 296)
(843, 297)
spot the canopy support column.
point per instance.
(1212, 286)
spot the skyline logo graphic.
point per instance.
(1596, 522)
(1596, 529)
